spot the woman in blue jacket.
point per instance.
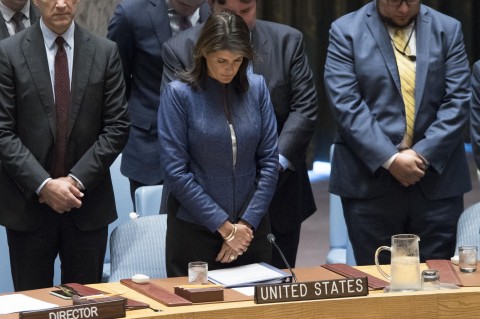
(217, 135)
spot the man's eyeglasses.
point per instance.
(398, 3)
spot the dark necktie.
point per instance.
(18, 22)
(185, 23)
(62, 102)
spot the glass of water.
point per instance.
(198, 272)
(467, 258)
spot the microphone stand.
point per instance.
(271, 240)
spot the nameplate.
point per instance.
(100, 310)
(324, 289)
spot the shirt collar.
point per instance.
(407, 29)
(49, 36)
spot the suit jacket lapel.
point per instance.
(380, 34)
(36, 59)
(423, 32)
(3, 28)
(83, 54)
(262, 46)
(34, 14)
(204, 12)
(158, 12)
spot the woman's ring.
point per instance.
(232, 257)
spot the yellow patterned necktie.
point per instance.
(406, 70)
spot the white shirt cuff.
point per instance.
(41, 186)
(389, 162)
(79, 183)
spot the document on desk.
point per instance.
(18, 302)
(248, 275)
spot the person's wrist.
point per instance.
(225, 229)
(231, 236)
(245, 223)
(75, 182)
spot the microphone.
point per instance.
(271, 240)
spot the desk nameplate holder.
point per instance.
(322, 289)
(197, 295)
(96, 310)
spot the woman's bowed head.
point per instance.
(223, 52)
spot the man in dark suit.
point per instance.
(399, 171)
(140, 27)
(283, 63)
(56, 194)
(16, 15)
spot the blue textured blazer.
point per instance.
(195, 138)
(363, 87)
(281, 60)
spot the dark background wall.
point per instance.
(313, 18)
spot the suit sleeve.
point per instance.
(95, 162)
(475, 113)
(120, 31)
(356, 123)
(300, 124)
(447, 130)
(15, 157)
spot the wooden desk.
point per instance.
(460, 303)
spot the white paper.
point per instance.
(246, 275)
(18, 302)
(247, 291)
